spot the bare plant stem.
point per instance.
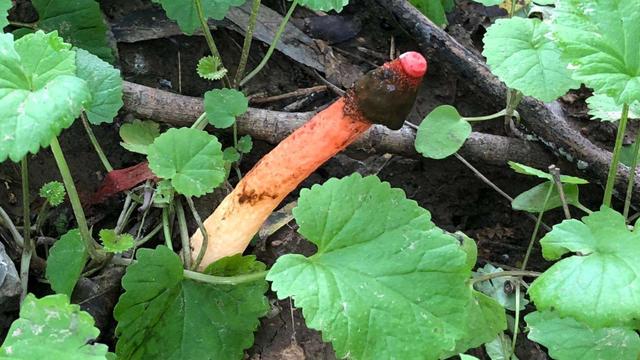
(33, 26)
(11, 227)
(166, 230)
(225, 280)
(95, 143)
(516, 322)
(184, 234)
(76, 205)
(207, 35)
(492, 185)
(209, 279)
(632, 176)
(487, 117)
(555, 173)
(248, 38)
(534, 235)
(613, 169)
(28, 248)
(149, 236)
(499, 274)
(276, 39)
(203, 230)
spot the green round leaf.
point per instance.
(435, 10)
(599, 284)
(223, 106)
(600, 39)
(66, 261)
(442, 133)
(190, 158)
(604, 108)
(324, 5)
(533, 199)
(528, 170)
(494, 288)
(210, 68)
(162, 315)
(568, 339)
(51, 328)
(39, 92)
(5, 6)
(79, 22)
(245, 144)
(231, 155)
(521, 53)
(105, 85)
(54, 192)
(116, 243)
(500, 348)
(138, 135)
(382, 271)
(186, 15)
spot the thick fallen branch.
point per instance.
(273, 126)
(546, 121)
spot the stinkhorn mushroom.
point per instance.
(383, 96)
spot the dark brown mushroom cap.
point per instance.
(386, 95)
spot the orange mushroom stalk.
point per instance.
(383, 96)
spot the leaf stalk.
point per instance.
(76, 205)
(613, 169)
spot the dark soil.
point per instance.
(457, 199)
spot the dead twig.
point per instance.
(289, 95)
(273, 126)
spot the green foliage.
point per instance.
(138, 135)
(489, 2)
(105, 85)
(223, 106)
(245, 144)
(528, 170)
(324, 5)
(598, 284)
(382, 266)
(533, 199)
(190, 158)
(163, 315)
(210, 68)
(604, 108)
(442, 133)
(79, 22)
(435, 10)
(495, 288)
(53, 192)
(66, 260)
(116, 243)
(186, 15)
(5, 6)
(522, 53)
(500, 348)
(568, 339)
(51, 328)
(627, 154)
(600, 39)
(39, 92)
(230, 155)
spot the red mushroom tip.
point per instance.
(414, 64)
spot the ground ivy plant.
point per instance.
(385, 282)
(586, 301)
